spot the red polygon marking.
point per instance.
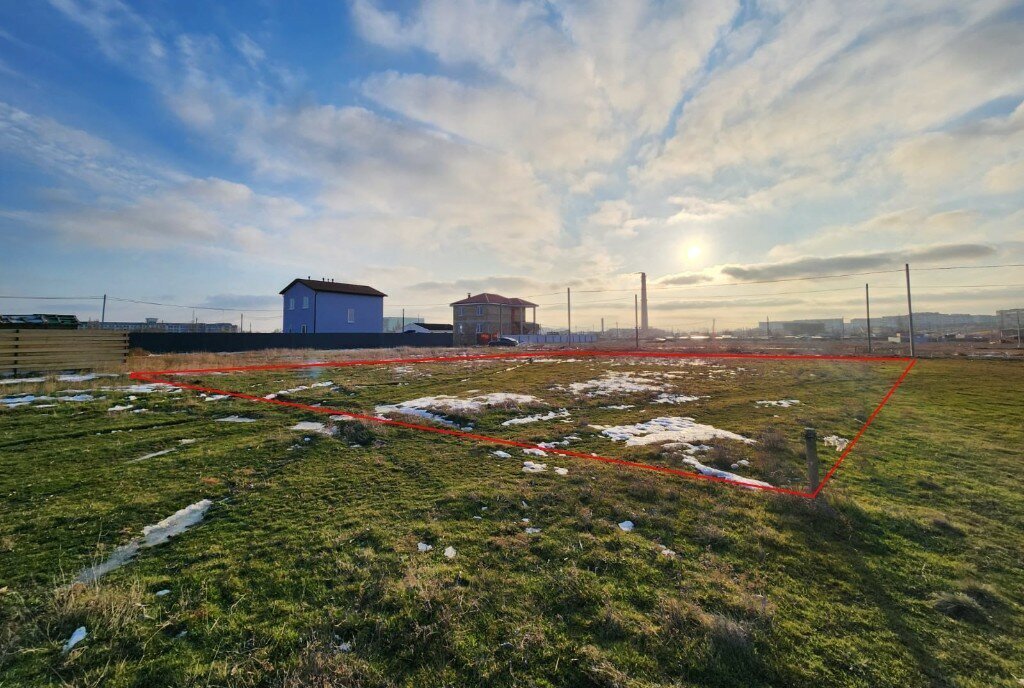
(159, 377)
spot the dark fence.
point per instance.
(191, 342)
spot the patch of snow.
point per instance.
(84, 377)
(561, 471)
(153, 455)
(187, 441)
(840, 443)
(726, 475)
(424, 547)
(217, 397)
(531, 467)
(449, 552)
(666, 552)
(161, 593)
(532, 531)
(675, 399)
(550, 415)
(76, 637)
(626, 526)
(535, 452)
(614, 382)
(236, 419)
(668, 429)
(115, 409)
(312, 426)
(502, 454)
(22, 400)
(434, 408)
(21, 380)
(619, 407)
(781, 403)
(153, 535)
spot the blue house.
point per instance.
(328, 306)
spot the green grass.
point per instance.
(907, 572)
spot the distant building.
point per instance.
(484, 316)
(1010, 320)
(47, 321)
(156, 325)
(393, 323)
(428, 328)
(802, 328)
(314, 306)
(940, 323)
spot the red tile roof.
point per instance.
(487, 298)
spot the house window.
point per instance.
(303, 329)
(479, 328)
(479, 310)
(462, 310)
(305, 302)
(351, 315)
(291, 304)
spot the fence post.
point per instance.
(811, 442)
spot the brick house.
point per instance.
(485, 316)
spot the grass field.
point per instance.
(306, 567)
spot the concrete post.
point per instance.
(811, 442)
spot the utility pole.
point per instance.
(241, 322)
(910, 312)
(768, 325)
(602, 325)
(403, 320)
(636, 319)
(568, 311)
(867, 305)
(1018, 328)
(103, 313)
(644, 324)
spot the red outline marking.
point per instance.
(159, 377)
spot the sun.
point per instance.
(693, 252)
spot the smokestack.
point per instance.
(643, 302)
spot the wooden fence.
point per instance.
(39, 350)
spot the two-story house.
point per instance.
(312, 306)
(485, 316)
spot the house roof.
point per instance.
(487, 298)
(437, 327)
(335, 287)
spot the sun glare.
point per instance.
(693, 252)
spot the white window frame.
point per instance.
(351, 315)
(305, 303)
(303, 329)
(479, 310)
(479, 328)
(291, 303)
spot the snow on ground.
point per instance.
(781, 403)
(424, 547)
(708, 470)
(76, 637)
(85, 377)
(626, 526)
(619, 407)
(215, 397)
(535, 452)
(554, 360)
(532, 467)
(124, 407)
(293, 390)
(312, 426)
(21, 380)
(434, 408)
(840, 443)
(550, 415)
(502, 454)
(153, 455)
(236, 419)
(449, 552)
(153, 535)
(675, 399)
(29, 399)
(667, 429)
(614, 382)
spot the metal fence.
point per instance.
(192, 342)
(553, 338)
(40, 350)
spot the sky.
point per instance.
(205, 154)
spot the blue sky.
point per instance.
(199, 153)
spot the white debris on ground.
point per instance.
(840, 443)
(76, 637)
(153, 535)
(614, 382)
(424, 547)
(502, 454)
(550, 415)
(312, 426)
(449, 552)
(434, 408)
(667, 429)
(153, 455)
(300, 388)
(626, 526)
(531, 467)
(535, 452)
(676, 399)
(781, 403)
(236, 419)
(726, 475)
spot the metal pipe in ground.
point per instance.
(811, 442)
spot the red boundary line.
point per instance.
(159, 377)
